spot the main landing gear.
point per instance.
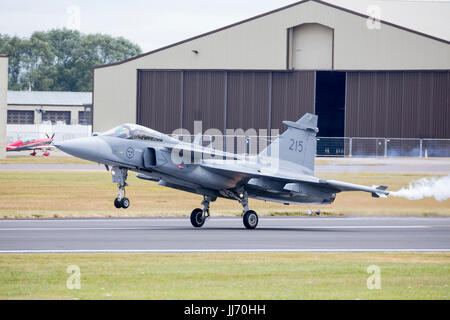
(199, 216)
(250, 217)
(45, 153)
(119, 176)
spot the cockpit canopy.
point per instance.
(133, 132)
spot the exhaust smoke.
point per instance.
(438, 188)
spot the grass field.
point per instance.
(226, 276)
(83, 194)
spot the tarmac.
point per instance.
(273, 234)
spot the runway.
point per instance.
(274, 234)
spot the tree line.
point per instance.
(60, 59)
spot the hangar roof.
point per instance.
(428, 17)
(397, 15)
(49, 98)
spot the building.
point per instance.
(36, 114)
(36, 107)
(3, 90)
(362, 79)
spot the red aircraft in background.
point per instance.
(32, 144)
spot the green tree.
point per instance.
(14, 48)
(61, 59)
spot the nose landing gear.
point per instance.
(121, 202)
(119, 176)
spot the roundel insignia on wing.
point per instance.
(130, 152)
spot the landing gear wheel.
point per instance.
(250, 219)
(117, 203)
(119, 176)
(197, 218)
(125, 202)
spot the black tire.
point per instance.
(197, 218)
(125, 202)
(117, 203)
(250, 219)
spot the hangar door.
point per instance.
(168, 100)
(398, 104)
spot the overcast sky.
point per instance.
(156, 23)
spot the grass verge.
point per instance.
(226, 276)
(33, 194)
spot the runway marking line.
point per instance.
(261, 228)
(216, 250)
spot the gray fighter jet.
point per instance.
(282, 172)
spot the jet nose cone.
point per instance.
(90, 148)
(58, 144)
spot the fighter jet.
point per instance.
(282, 172)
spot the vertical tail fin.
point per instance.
(298, 143)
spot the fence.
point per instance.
(383, 147)
(326, 146)
(337, 147)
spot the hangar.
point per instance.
(35, 107)
(310, 56)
